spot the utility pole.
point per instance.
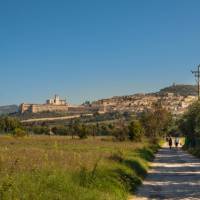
(197, 77)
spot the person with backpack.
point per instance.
(170, 142)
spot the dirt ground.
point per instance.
(175, 174)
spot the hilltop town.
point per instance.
(137, 103)
(175, 99)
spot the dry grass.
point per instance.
(97, 168)
(39, 152)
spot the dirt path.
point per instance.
(174, 175)
(54, 118)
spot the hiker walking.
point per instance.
(170, 142)
(176, 142)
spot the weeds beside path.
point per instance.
(58, 168)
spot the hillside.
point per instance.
(132, 102)
(8, 109)
(183, 90)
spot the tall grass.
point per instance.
(58, 168)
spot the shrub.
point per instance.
(59, 130)
(41, 130)
(118, 156)
(82, 132)
(19, 132)
(8, 124)
(135, 131)
(120, 132)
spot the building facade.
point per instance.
(55, 104)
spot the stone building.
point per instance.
(55, 104)
(56, 101)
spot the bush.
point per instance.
(82, 132)
(120, 131)
(59, 130)
(8, 124)
(41, 130)
(120, 134)
(135, 131)
(18, 132)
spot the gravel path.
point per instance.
(175, 174)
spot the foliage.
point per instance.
(75, 170)
(19, 132)
(40, 130)
(82, 131)
(59, 130)
(9, 124)
(183, 90)
(189, 124)
(120, 131)
(156, 122)
(135, 131)
(101, 117)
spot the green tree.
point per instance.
(2, 125)
(189, 124)
(82, 131)
(41, 130)
(135, 131)
(156, 122)
(75, 128)
(19, 132)
(59, 130)
(120, 131)
(8, 124)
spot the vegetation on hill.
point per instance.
(152, 123)
(181, 89)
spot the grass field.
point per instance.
(59, 168)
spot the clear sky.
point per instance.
(91, 49)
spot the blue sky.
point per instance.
(91, 49)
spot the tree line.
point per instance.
(189, 125)
(150, 123)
